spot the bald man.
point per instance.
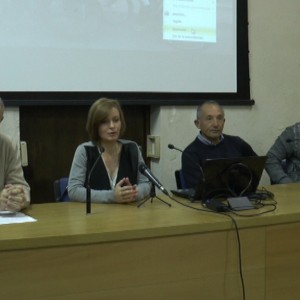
(210, 143)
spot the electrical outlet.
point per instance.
(23, 154)
(153, 146)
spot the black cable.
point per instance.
(256, 214)
(237, 166)
(218, 193)
(273, 204)
(229, 180)
(256, 198)
(192, 207)
(238, 237)
(240, 255)
(262, 198)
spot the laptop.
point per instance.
(227, 177)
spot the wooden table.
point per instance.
(152, 252)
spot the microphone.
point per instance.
(88, 187)
(171, 146)
(291, 140)
(146, 171)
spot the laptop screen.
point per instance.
(227, 177)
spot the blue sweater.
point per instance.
(196, 153)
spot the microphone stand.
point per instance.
(88, 199)
(88, 186)
(152, 196)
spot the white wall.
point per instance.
(11, 124)
(274, 31)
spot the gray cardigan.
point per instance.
(286, 147)
(77, 190)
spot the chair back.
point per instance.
(180, 182)
(61, 189)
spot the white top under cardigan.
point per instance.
(77, 190)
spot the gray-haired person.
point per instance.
(14, 190)
(283, 163)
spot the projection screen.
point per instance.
(156, 51)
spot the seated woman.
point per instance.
(115, 177)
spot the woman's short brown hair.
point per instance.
(98, 113)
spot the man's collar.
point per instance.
(206, 141)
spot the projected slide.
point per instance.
(165, 46)
(194, 20)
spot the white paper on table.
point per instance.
(7, 217)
